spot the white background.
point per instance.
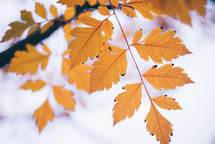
(91, 123)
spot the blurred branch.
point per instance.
(37, 37)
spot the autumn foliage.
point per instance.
(90, 38)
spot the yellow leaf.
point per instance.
(83, 14)
(167, 77)
(137, 36)
(46, 49)
(158, 125)
(43, 115)
(28, 61)
(128, 11)
(166, 102)
(64, 97)
(33, 29)
(33, 85)
(17, 28)
(69, 13)
(72, 3)
(127, 102)
(107, 69)
(144, 8)
(53, 11)
(88, 41)
(103, 10)
(78, 75)
(46, 27)
(159, 46)
(40, 10)
(108, 28)
(115, 2)
(67, 30)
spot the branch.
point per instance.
(37, 37)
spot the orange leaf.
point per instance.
(83, 14)
(40, 10)
(33, 85)
(28, 61)
(69, 13)
(79, 75)
(88, 41)
(43, 114)
(46, 26)
(67, 30)
(180, 8)
(71, 3)
(53, 11)
(64, 97)
(166, 102)
(115, 2)
(108, 28)
(17, 28)
(144, 8)
(128, 11)
(159, 46)
(159, 125)
(167, 77)
(127, 102)
(107, 69)
(46, 49)
(103, 10)
(92, 2)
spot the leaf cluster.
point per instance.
(90, 38)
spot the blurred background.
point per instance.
(91, 122)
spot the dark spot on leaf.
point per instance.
(172, 64)
(97, 56)
(114, 100)
(169, 109)
(118, 79)
(123, 88)
(169, 140)
(174, 99)
(157, 139)
(140, 103)
(109, 48)
(155, 66)
(145, 121)
(113, 28)
(153, 134)
(141, 29)
(161, 27)
(165, 95)
(171, 134)
(122, 74)
(132, 16)
(82, 62)
(103, 43)
(174, 31)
